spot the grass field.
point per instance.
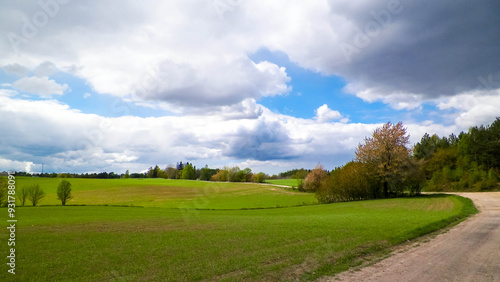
(284, 182)
(95, 243)
(167, 193)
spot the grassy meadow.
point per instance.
(167, 193)
(285, 182)
(174, 230)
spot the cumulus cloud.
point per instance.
(214, 84)
(325, 114)
(16, 69)
(65, 139)
(46, 69)
(400, 52)
(42, 86)
(473, 108)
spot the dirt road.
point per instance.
(468, 252)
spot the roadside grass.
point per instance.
(167, 193)
(82, 243)
(286, 182)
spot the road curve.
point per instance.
(469, 251)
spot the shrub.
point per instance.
(346, 183)
(314, 179)
(486, 185)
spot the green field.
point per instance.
(167, 193)
(222, 241)
(284, 182)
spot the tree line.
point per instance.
(467, 162)
(385, 166)
(190, 172)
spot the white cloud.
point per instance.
(42, 86)
(46, 69)
(68, 140)
(7, 92)
(325, 114)
(16, 69)
(398, 101)
(156, 51)
(473, 108)
(11, 166)
(187, 58)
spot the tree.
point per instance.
(221, 175)
(154, 172)
(244, 175)
(171, 172)
(482, 145)
(300, 174)
(36, 194)
(259, 177)
(25, 191)
(315, 178)
(188, 172)
(387, 155)
(232, 173)
(64, 191)
(206, 173)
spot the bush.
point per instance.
(314, 179)
(347, 183)
(486, 185)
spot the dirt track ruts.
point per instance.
(469, 251)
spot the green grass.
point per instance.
(170, 193)
(82, 243)
(284, 182)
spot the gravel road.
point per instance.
(469, 251)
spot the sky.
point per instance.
(92, 86)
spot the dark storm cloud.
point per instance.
(433, 48)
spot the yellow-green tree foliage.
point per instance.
(347, 183)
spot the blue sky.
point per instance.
(93, 87)
(311, 89)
